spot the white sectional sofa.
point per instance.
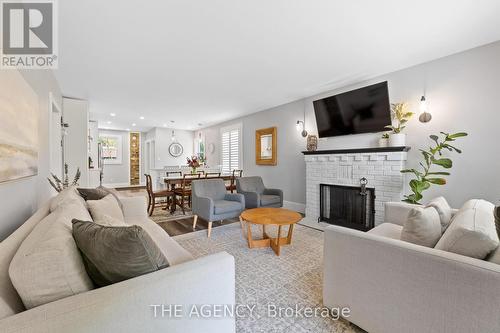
(394, 286)
(127, 306)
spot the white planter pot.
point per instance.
(383, 142)
(397, 140)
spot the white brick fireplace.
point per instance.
(380, 166)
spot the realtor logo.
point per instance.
(28, 34)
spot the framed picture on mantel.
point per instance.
(266, 147)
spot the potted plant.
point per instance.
(424, 176)
(400, 116)
(60, 185)
(384, 140)
(193, 163)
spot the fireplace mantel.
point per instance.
(358, 150)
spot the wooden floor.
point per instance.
(177, 224)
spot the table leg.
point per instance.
(249, 235)
(290, 232)
(242, 226)
(264, 235)
(275, 243)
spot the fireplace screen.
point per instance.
(347, 206)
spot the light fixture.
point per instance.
(173, 136)
(425, 116)
(133, 124)
(109, 122)
(164, 125)
(112, 114)
(128, 129)
(301, 124)
(141, 118)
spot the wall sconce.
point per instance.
(301, 127)
(301, 124)
(425, 116)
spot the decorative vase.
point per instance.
(397, 140)
(193, 170)
(312, 143)
(383, 142)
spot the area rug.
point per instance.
(264, 279)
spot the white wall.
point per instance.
(163, 139)
(19, 199)
(118, 174)
(461, 91)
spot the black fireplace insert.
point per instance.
(347, 206)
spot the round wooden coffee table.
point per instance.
(269, 216)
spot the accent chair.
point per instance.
(257, 195)
(211, 202)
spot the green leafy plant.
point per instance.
(385, 135)
(401, 115)
(432, 157)
(59, 184)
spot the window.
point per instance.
(231, 148)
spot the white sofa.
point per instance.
(394, 286)
(126, 306)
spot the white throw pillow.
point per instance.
(66, 196)
(472, 231)
(444, 210)
(48, 265)
(104, 208)
(422, 227)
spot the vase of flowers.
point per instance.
(194, 163)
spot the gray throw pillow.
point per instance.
(98, 193)
(114, 254)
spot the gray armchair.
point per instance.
(256, 194)
(211, 202)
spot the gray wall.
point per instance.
(462, 92)
(19, 199)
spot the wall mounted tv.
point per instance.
(363, 110)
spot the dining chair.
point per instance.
(173, 173)
(212, 175)
(153, 195)
(232, 186)
(185, 190)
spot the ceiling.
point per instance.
(199, 63)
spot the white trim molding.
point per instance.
(295, 206)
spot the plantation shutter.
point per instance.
(231, 149)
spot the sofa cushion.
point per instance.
(107, 206)
(66, 196)
(444, 210)
(389, 230)
(268, 199)
(48, 265)
(422, 227)
(114, 254)
(472, 231)
(99, 193)
(174, 253)
(225, 206)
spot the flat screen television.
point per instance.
(363, 110)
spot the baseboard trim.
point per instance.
(296, 206)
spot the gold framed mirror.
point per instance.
(266, 147)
